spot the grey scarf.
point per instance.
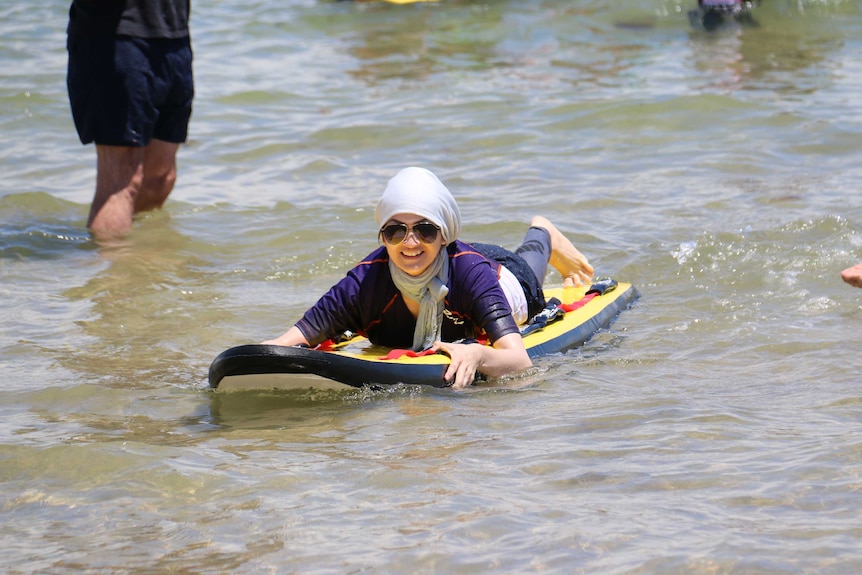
(429, 289)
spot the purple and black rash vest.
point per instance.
(367, 302)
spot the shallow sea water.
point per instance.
(713, 428)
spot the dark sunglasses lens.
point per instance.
(425, 232)
(394, 233)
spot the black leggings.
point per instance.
(536, 251)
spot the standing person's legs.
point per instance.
(133, 98)
(119, 173)
(174, 100)
(160, 174)
(130, 180)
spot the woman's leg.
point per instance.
(536, 251)
(561, 253)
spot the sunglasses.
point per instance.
(394, 234)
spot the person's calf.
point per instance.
(155, 190)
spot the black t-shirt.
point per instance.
(135, 18)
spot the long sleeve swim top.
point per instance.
(367, 302)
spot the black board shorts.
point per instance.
(126, 91)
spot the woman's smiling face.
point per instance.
(412, 256)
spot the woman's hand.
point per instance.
(466, 361)
(507, 356)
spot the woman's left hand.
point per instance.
(505, 357)
(466, 361)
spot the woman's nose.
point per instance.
(410, 238)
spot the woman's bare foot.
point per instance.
(565, 257)
(853, 276)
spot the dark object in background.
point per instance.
(712, 14)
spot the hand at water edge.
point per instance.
(466, 359)
(853, 275)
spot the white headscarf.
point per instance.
(418, 191)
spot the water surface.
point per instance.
(713, 428)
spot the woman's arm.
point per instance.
(507, 356)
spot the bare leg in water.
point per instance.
(130, 180)
(565, 257)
